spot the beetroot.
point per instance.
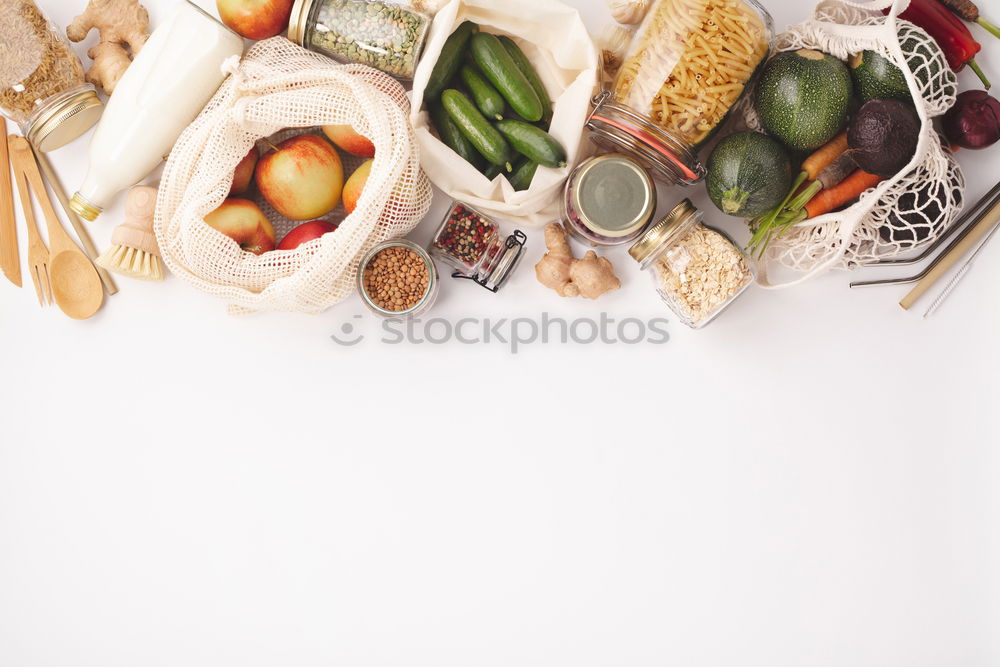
(974, 121)
(883, 136)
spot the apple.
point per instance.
(256, 19)
(350, 141)
(302, 178)
(306, 232)
(243, 176)
(242, 221)
(355, 186)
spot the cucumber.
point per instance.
(501, 70)
(533, 143)
(803, 98)
(486, 138)
(452, 136)
(523, 174)
(529, 71)
(489, 101)
(877, 78)
(749, 173)
(450, 59)
(492, 171)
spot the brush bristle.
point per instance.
(132, 263)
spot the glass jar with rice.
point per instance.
(689, 63)
(42, 86)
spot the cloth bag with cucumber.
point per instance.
(902, 213)
(553, 39)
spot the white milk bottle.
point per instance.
(162, 92)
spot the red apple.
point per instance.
(242, 221)
(306, 232)
(350, 141)
(243, 176)
(256, 19)
(303, 178)
(356, 185)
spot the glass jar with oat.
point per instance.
(42, 86)
(698, 271)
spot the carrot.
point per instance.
(825, 156)
(847, 191)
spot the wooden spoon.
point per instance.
(76, 285)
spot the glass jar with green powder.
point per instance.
(384, 35)
(609, 200)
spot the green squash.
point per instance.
(749, 173)
(877, 78)
(803, 98)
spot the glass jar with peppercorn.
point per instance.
(472, 245)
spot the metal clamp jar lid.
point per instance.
(619, 128)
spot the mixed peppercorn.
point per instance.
(467, 236)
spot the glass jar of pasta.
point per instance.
(688, 64)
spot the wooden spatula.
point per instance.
(10, 260)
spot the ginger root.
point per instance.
(124, 28)
(589, 277)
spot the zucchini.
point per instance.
(877, 78)
(487, 140)
(450, 59)
(529, 71)
(452, 136)
(533, 143)
(523, 174)
(489, 101)
(803, 98)
(749, 174)
(501, 70)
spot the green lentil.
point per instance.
(382, 35)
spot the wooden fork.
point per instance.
(38, 253)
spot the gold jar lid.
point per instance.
(613, 195)
(65, 120)
(663, 232)
(297, 21)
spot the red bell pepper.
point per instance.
(954, 38)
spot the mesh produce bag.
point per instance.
(278, 90)
(905, 212)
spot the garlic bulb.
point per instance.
(628, 12)
(613, 42)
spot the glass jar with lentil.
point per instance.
(698, 271)
(397, 278)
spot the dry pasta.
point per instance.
(690, 63)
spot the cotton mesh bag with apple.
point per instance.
(272, 196)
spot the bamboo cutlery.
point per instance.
(63, 274)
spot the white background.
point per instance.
(812, 480)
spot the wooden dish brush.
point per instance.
(134, 251)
